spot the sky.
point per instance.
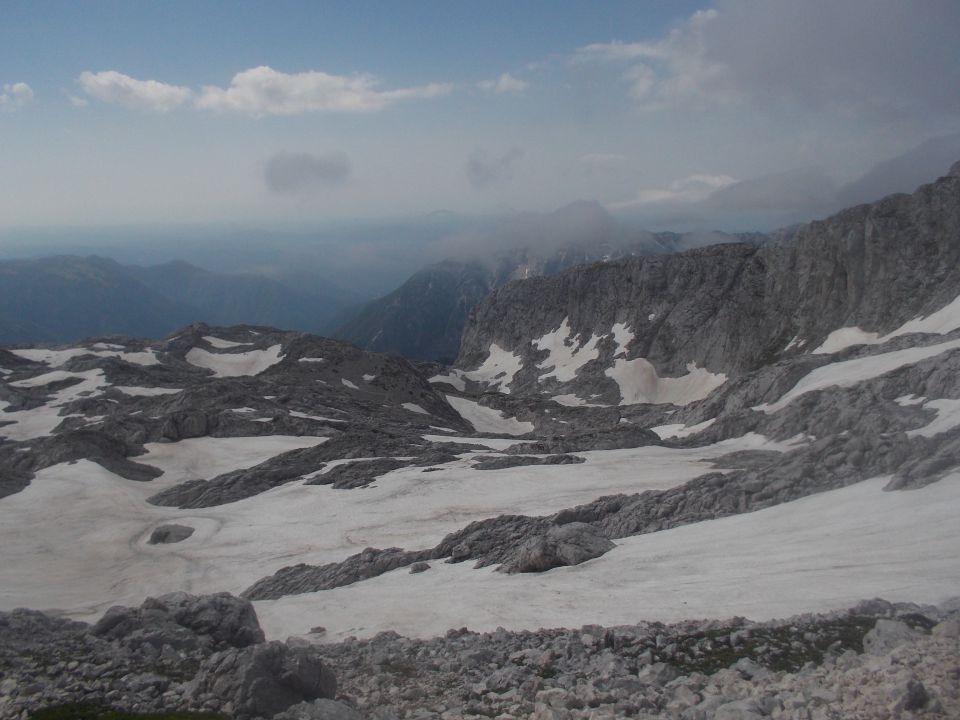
(117, 113)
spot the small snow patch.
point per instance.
(320, 418)
(222, 344)
(640, 383)
(453, 378)
(943, 321)
(498, 370)
(486, 419)
(571, 400)
(567, 353)
(413, 407)
(252, 362)
(679, 430)
(146, 391)
(948, 417)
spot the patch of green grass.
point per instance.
(778, 649)
(82, 711)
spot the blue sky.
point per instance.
(253, 112)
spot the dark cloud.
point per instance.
(484, 170)
(295, 173)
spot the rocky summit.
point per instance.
(664, 486)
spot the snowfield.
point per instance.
(824, 552)
(75, 539)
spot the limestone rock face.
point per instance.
(725, 309)
(263, 680)
(183, 620)
(561, 545)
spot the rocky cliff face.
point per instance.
(424, 318)
(621, 329)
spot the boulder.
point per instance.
(888, 634)
(740, 710)
(184, 621)
(168, 534)
(263, 680)
(561, 545)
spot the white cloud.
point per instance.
(15, 96)
(77, 102)
(115, 88)
(676, 69)
(693, 188)
(265, 91)
(506, 83)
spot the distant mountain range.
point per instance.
(65, 298)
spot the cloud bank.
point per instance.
(886, 56)
(257, 91)
(265, 91)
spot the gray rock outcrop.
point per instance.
(733, 308)
(561, 545)
(168, 534)
(180, 619)
(262, 680)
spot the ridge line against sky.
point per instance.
(118, 112)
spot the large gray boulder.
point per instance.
(184, 621)
(888, 634)
(262, 680)
(561, 545)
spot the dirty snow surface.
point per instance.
(640, 383)
(486, 419)
(251, 362)
(741, 565)
(74, 533)
(96, 554)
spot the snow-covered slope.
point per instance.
(731, 431)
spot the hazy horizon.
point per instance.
(670, 115)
